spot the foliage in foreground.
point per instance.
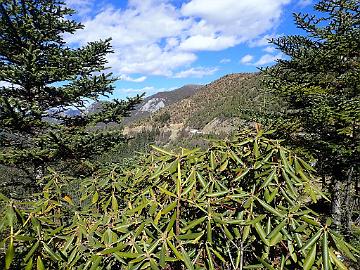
(242, 204)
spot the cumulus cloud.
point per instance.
(263, 40)
(130, 79)
(156, 37)
(304, 3)
(207, 43)
(225, 60)
(83, 7)
(246, 59)
(268, 59)
(269, 49)
(197, 72)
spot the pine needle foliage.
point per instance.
(42, 78)
(242, 204)
(320, 80)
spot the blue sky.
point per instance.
(164, 44)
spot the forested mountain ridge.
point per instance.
(218, 107)
(160, 100)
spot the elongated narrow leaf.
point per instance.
(186, 258)
(312, 240)
(325, 251)
(39, 264)
(310, 258)
(336, 261)
(9, 256)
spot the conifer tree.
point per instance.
(320, 80)
(41, 79)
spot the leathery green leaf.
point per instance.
(95, 197)
(178, 179)
(224, 165)
(112, 250)
(96, 260)
(325, 251)
(217, 254)
(209, 258)
(9, 256)
(256, 220)
(245, 172)
(246, 233)
(310, 258)
(236, 157)
(158, 149)
(114, 203)
(217, 194)
(39, 264)
(165, 191)
(312, 240)
(194, 223)
(52, 254)
(201, 179)
(228, 233)
(270, 208)
(212, 160)
(261, 233)
(29, 265)
(266, 264)
(153, 264)
(256, 149)
(169, 208)
(162, 256)
(209, 231)
(128, 255)
(277, 229)
(174, 249)
(341, 245)
(187, 260)
(188, 189)
(336, 261)
(269, 178)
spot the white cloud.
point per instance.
(269, 49)
(304, 3)
(268, 59)
(246, 59)
(154, 37)
(130, 79)
(83, 7)
(245, 19)
(225, 60)
(208, 43)
(263, 41)
(197, 72)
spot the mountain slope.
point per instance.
(219, 107)
(160, 100)
(233, 95)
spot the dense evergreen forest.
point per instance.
(282, 192)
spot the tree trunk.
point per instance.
(336, 203)
(348, 202)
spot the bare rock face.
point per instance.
(153, 105)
